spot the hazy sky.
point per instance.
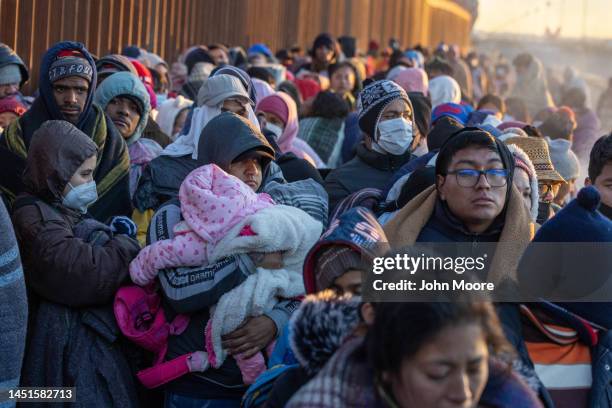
(533, 16)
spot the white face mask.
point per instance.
(395, 136)
(81, 197)
(275, 129)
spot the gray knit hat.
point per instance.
(68, 66)
(10, 74)
(334, 262)
(564, 159)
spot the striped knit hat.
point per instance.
(372, 101)
(537, 150)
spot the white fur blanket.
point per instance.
(278, 228)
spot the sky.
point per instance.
(533, 16)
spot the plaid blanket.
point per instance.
(323, 135)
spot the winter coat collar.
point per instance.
(383, 162)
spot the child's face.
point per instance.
(349, 283)
(84, 174)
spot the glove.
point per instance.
(123, 225)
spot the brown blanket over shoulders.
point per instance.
(404, 229)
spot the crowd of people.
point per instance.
(191, 233)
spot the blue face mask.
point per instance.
(81, 197)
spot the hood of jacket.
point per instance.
(320, 326)
(125, 83)
(8, 56)
(57, 150)
(226, 137)
(357, 229)
(46, 100)
(120, 62)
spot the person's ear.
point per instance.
(367, 313)
(439, 184)
(587, 181)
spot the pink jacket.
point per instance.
(212, 203)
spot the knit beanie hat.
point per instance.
(12, 105)
(333, 262)
(564, 159)
(571, 271)
(372, 101)
(70, 65)
(578, 221)
(455, 110)
(10, 74)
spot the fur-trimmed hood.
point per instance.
(320, 326)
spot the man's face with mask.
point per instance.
(70, 94)
(603, 184)
(395, 129)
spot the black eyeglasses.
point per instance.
(470, 177)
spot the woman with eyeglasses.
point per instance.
(473, 201)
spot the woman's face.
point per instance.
(521, 181)
(343, 80)
(84, 174)
(451, 370)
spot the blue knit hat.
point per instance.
(574, 267)
(579, 221)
